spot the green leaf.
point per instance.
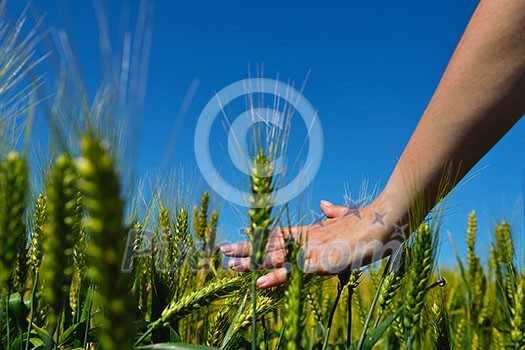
(460, 263)
(36, 343)
(18, 310)
(86, 309)
(42, 334)
(234, 322)
(281, 336)
(175, 346)
(376, 334)
(174, 336)
(75, 332)
(39, 335)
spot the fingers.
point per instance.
(275, 242)
(239, 249)
(271, 261)
(240, 264)
(242, 249)
(272, 279)
(275, 255)
(332, 211)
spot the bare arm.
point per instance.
(479, 98)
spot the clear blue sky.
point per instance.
(374, 66)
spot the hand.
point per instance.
(347, 239)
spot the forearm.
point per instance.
(479, 98)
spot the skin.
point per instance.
(480, 97)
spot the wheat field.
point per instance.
(82, 267)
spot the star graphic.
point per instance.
(379, 218)
(399, 232)
(353, 211)
(317, 219)
(354, 207)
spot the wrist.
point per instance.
(393, 209)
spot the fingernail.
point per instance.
(231, 263)
(227, 248)
(326, 203)
(262, 282)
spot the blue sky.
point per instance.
(374, 66)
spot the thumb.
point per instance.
(332, 211)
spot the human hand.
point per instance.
(347, 239)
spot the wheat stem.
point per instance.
(31, 308)
(293, 306)
(260, 221)
(340, 287)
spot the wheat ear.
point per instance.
(105, 227)
(13, 191)
(57, 266)
(419, 275)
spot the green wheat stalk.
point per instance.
(476, 279)
(59, 238)
(217, 289)
(201, 218)
(260, 217)
(395, 273)
(105, 227)
(36, 253)
(422, 254)
(79, 254)
(353, 282)
(212, 291)
(460, 334)
(183, 237)
(314, 297)
(268, 301)
(517, 321)
(37, 234)
(13, 193)
(440, 325)
(294, 300)
(212, 234)
(220, 323)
